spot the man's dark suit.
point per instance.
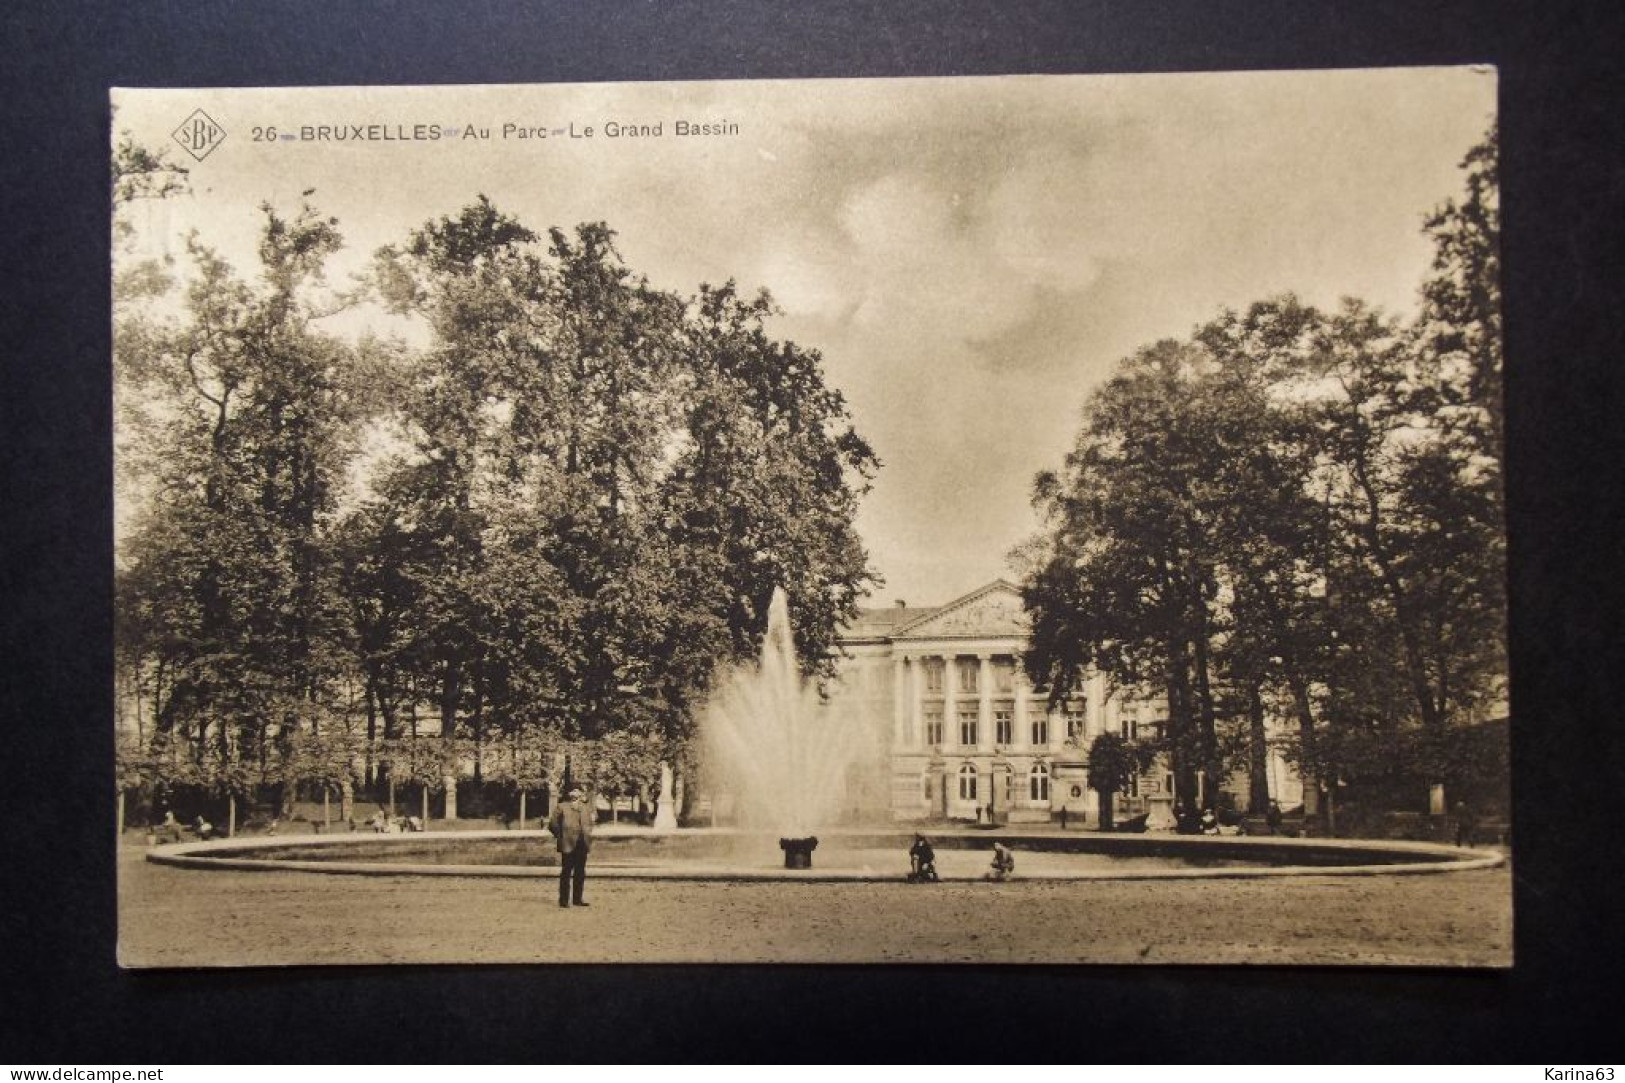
(572, 828)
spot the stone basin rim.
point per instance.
(198, 855)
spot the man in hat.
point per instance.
(572, 830)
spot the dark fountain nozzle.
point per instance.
(798, 852)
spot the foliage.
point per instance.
(425, 761)
(625, 764)
(1114, 761)
(141, 173)
(327, 756)
(1295, 508)
(524, 758)
(587, 490)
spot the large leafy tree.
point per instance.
(605, 482)
(1297, 508)
(235, 409)
(557, 517)
(1460, 325)
(1126, 578)
(765, 489)
(1113, 763)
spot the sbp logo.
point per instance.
(199, 134)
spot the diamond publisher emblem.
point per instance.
(199, 134)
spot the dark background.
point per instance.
(1563, 182)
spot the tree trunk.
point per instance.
(231, 815)
(1306, 738)
(1106, 818)
(1207, 720)
(1180, 725)
(1399, 597)
(119, 816)
(521, 810)
(451, 692)
(479, 718)
(1258, 767)
(425, 805)
(369, 696)
(327, 812)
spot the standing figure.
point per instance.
(571, 826)
(1466, 824)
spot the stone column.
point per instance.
(984, 703)
(903, 734)
(950, 701)
(916, 696)
(1058, 727)
(1018, 706)
(993, 800)
(1094, 708)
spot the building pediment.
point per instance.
(993, 611)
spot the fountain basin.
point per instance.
(880, 855)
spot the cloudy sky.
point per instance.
(971, 256)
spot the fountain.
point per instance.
(777, 747)
(784, 755)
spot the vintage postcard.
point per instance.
(1048, 519)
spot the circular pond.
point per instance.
(710, 854)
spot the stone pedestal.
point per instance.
(450, 783)
(1161, 816)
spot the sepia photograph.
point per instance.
(1021, 519)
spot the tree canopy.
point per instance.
(559, 515)
(1293, 511)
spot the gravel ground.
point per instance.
(180, 917)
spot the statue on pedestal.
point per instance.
(666, 805)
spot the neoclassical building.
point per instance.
(968, 733)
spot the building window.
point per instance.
(1004, 726)
(1131, 724)
(933, 727)
(1038, 782)
(970, 673)
(1040, 728)
(1009, 787)
(1076, 721)
(933, 674)
(967, 783)
(967, 728)
(1004, 677)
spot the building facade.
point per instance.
(966, 735)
